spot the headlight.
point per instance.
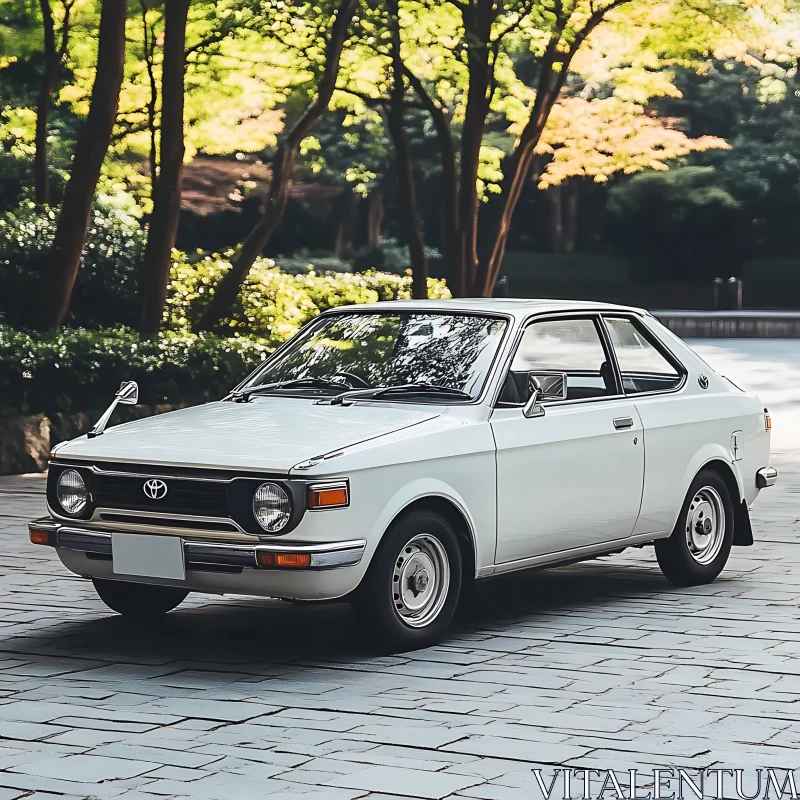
(271, 507)
(71, 492)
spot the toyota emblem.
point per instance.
(155, 489)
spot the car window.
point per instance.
(642, 366)
(373, 350)
(570, 345)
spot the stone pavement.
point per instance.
(599, 665)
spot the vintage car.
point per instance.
(392, 454)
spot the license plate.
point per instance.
(148, 556)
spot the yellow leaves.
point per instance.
(602, 137)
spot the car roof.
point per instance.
(516, 307)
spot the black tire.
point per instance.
(138, 601)
(416, 541)
(684, 563)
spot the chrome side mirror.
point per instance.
(544, 386)
(128, 395)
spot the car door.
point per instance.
(676, 421)
(571, 477)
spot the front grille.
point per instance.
(193, 497)
(169, 522)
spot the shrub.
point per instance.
(78, 369)
(106, 287)
(273, 304)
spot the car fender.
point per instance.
(705, 455)
(417, 490)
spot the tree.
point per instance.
(63, 259)
(54, 55)
(167, 189)
(406, 190)
(227, 290)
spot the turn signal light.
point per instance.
(330, 495)
(39, 536)
(286, 560)
(767, 420)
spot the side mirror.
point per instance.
(544, 386)
(128, 393)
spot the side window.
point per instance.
(643, 367)
(570, 345)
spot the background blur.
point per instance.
(184, 184)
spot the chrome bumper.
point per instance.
(207, 556)
(766, 476)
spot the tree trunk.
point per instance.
(52, 64)
(167, 191)
(374, 219)
(554, 69)
(344, 217)
(406, 190)
(228, 288)
(64, 257)
(447, 154)
(478, 22)
(149, 46)
(516, 174)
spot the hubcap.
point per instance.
(705, 525)
(420, 580)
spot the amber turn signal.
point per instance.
(286, 560)
(39, 536)
(330, 495)
(767, 420)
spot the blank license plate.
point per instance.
(148, 556)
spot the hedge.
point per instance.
(78, 369)
(274, 304)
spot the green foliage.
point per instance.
(106, 287)
(78, 369)
(274, 304)
(681, 221)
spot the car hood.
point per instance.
(271, 434)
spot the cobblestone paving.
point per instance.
(599, 665)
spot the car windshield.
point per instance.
(438, 357)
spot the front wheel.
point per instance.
(700, 543)
(411, 590)
(139, 601)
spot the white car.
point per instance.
(392, 454)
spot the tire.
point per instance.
(700, 543)
(138, 601)
(421, 553)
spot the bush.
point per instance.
(273, 304)
(76, 370)
(106, 287)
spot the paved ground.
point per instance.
(601, 665)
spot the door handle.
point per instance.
(620, 423)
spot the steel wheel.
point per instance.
(705, 525)
(420, 580)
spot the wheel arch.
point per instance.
(742, 529)
(442, 499)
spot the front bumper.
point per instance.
(332, 569)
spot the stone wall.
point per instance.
(25, 442)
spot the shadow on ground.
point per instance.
(252, 634)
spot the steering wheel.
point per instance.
(355, 381)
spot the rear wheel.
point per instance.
(700, 543)
(411, 590)
(139, 601)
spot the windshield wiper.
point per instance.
(403, 388)
(243, 395)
